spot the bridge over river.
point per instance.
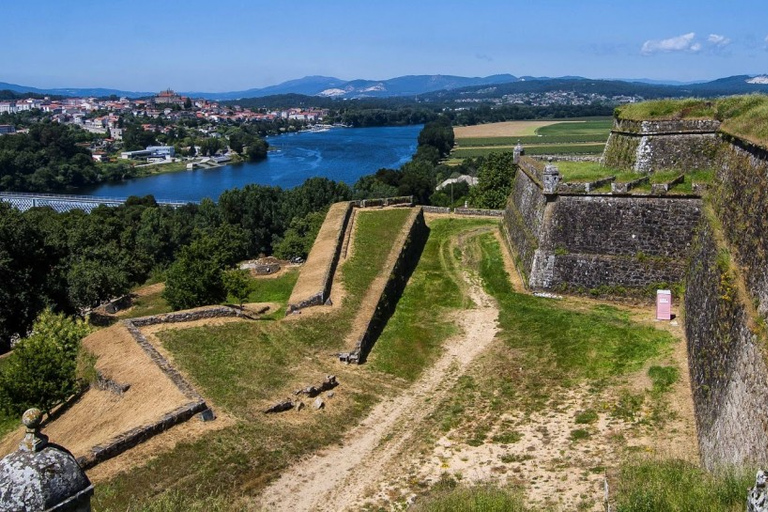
(63, 203)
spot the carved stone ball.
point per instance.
(32, 418)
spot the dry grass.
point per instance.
(101, 415)
(505, 129)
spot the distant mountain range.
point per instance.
(446, 87)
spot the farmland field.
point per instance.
(582, 137)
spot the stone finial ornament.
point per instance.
(757, 501)
(34, 440)
(42, 476)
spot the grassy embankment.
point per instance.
(572, 138)
(245, 366)
(742, 116)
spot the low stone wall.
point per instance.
(478, 212)
(411, 244)
(384, 201)
(186, 316)
(436, 209)
(138, 435)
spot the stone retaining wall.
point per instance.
(582, 242)
(727, 359)
(479, 212)
(726, 307)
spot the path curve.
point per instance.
(337, 478)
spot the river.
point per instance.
(340, 154)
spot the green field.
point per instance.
(555, 149)
(566, 138)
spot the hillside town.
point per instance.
(103, 116)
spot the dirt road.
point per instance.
(338, 478)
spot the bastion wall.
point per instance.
(717, 246)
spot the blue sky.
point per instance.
(227, 45)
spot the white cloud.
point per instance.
(673, 44)
(718, 40)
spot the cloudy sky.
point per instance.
(225, 45)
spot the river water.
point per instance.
(340, 154)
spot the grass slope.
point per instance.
(241, 368)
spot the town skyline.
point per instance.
(241, 46)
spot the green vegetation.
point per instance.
(584, 171)
(663, 377)
(372, 228)
(667, 486)
(742, 116)
(414, 334)
(74, 261)
(148, 305)
(273, 289)
(448, 496)
(42, 370)
(494, 182)
(592, 345)
(583, 137)
(557, 149)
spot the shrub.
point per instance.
(42, 370)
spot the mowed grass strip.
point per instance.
(555, 149)
(424, 318)
(592, 345)
(243, 367)
(376, 232)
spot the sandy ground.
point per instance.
(505, 129)
(312, 272)
(339, 477)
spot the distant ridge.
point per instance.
(443, 86)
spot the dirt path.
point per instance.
(339, 478)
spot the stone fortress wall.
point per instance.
(717, 245)
(582, 242)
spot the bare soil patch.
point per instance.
(336, 479)
(504, 129)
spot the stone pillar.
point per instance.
(551, 178)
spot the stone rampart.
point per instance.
(727, 360)
(726, 307)
(583, 242)
(524, 217)
(410, 244)
(313, 287)
(647, 146)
